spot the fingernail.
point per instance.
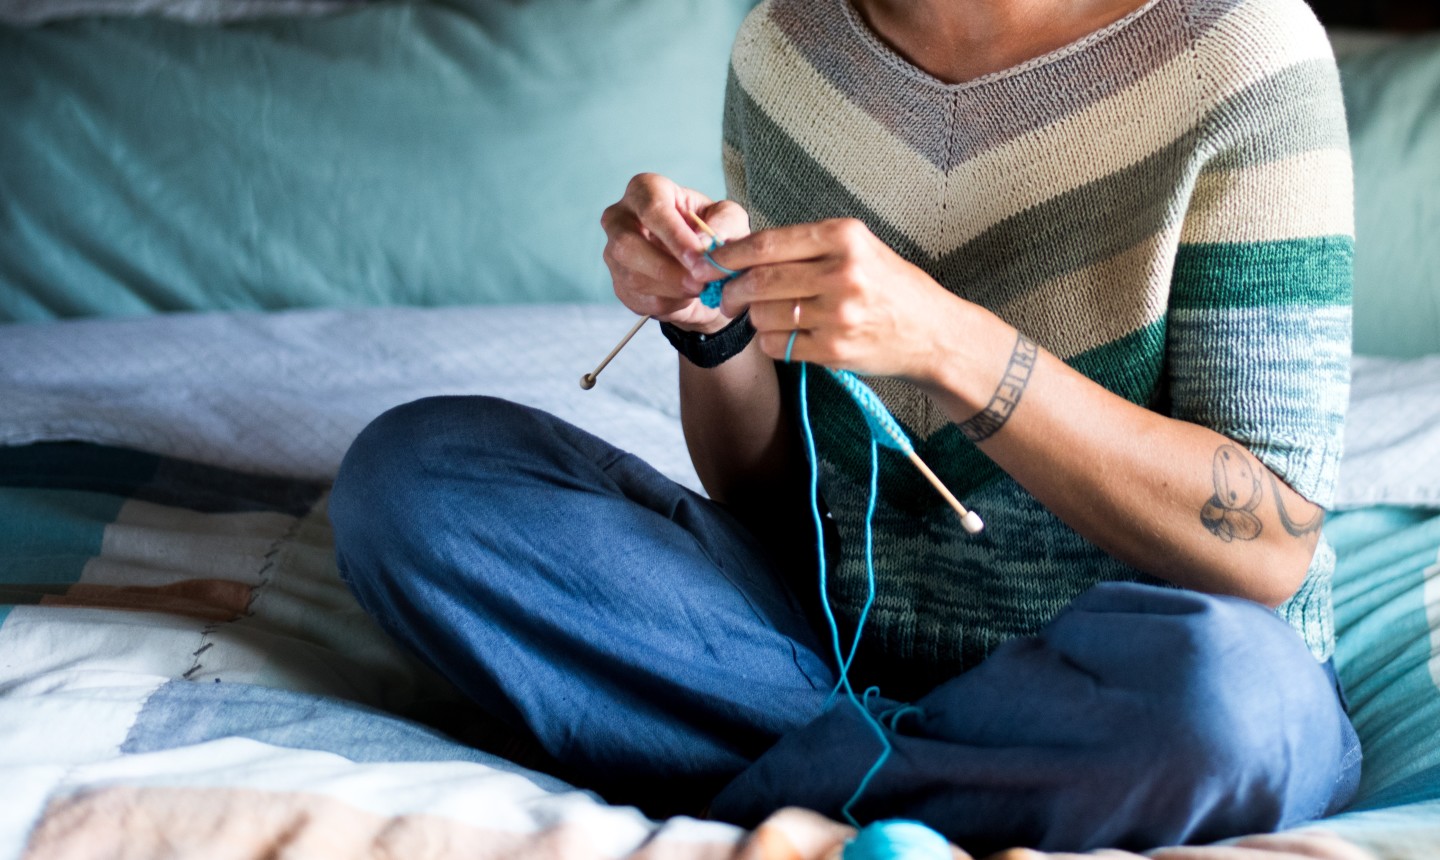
(692, 260)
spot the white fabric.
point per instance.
(1392, 434)
(285, 393)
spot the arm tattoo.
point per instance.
(1230, 513)
(1007, 395)
(1295, 529)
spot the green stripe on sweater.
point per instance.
(1130, 366)
(1313, 271)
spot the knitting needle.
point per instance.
(587, 381)
(969, 520)
(703, 226)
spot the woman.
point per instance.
(1095, 258)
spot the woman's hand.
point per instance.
(856, 303)
(656, 257)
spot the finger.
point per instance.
(792, 244)
(660, 307)
(795, 346)
(781, 315)
(775, 282)
(795, 834)
(660, 205)
(630, 254)
(644, 295)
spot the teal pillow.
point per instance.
(1392, 97)
(424, 153)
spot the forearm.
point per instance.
(737, 430)
(1172, 498)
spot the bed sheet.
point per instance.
(285, 393)
(180, 663)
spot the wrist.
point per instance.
(708, 328)
(711, 349)
(963, 372)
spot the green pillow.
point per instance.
(1392, 97)
(425, 153)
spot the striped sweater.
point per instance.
(1165, 204)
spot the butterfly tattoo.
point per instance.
(1230, 513)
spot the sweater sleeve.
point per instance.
(1258, 341)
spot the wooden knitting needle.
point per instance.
(969, 520)
(703, 226)
(587, 381)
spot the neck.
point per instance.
(960, 40)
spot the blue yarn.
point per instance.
(819, 521)
(714, 244)
(891, 839)
(710, 296)
(897, 839)
(863, 704)
(842, 660)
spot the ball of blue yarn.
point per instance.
(897, 839)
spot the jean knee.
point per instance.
(1227, 684)
(388, 478)
(374, 466)
(389, 458)
(1250, 702)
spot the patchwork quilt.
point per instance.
(181, 669)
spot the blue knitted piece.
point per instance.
(711, 295)
(883, 426)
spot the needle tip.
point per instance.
(702, 225)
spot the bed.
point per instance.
(232, 234)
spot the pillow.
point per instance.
(40, 11)
(429, 154)
(1392, 98)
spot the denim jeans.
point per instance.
(647, 641)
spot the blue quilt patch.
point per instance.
(182, 713)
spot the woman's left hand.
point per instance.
(856, 304)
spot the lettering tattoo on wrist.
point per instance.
(1230, 512)
(1007, 395)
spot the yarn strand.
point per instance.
(884, 430)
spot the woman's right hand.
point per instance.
(656, 255)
